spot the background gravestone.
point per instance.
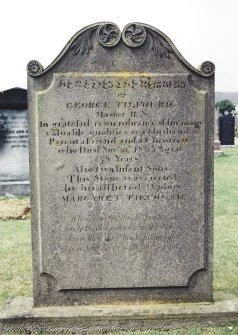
(14, 157)
(121, 134)
(227, 129)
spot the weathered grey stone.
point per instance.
(121, 134)
(19, 316)
(217, 144)
(14, 157)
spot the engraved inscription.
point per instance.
(13, 129)
(114, 143)
(14, 145)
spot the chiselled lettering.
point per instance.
(122, 139)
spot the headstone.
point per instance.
(227, 129)
(14, 157)
(121, 147)
(217, 144)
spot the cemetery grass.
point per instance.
(15, 259)
(15, 248)
(226, 222)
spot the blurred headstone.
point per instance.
(217, 143)
(227, 129)
(14, 157)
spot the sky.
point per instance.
(39, 29)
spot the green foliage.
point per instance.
(225, 105)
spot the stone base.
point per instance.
(217, 145)
(19, 316)
(228, 146)
(15, 187)
(218, 153)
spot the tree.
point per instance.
(225, 105)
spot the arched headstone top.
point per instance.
(134, 36)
